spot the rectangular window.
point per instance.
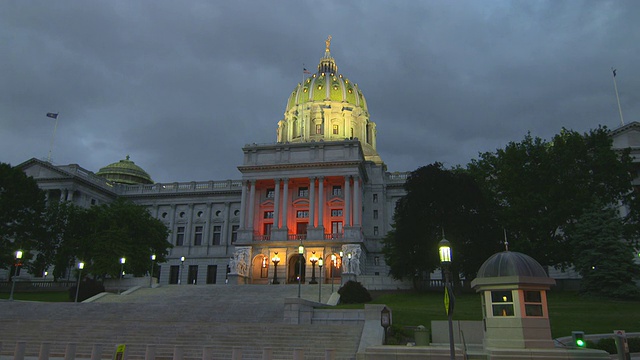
(268, 214)
(376, 260)
(212, 273)
(180, 236)
(533, 303)
(301, 228)
(375, 230)
(502, 303)
(193, 274)
(337, 190)
(336, 212)
(335, 129)
(197, 237)
(174, 272)
(234, 233)
(375, 214)
(271, 193)
(302, 214)
(217, 234)
(318, 129)
(267, 229)
(375, 198)
(303, 192)
(336, 227)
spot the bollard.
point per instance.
(330, 354)
(207, 353)
(44, 351)
(237, 354)
(70, 352)
(150, 353)
(19, 353)
(96, 352)
(267, 353)
(178, 353)
(298, 354)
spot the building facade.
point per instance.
(321, 185)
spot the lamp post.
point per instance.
(313, 260)
(181, 270)
(385, 321)
(80, 267)
(341, 266)
(275, 259)
(320, 282)
(349, 263)
(122, 261)
(444, 249)
(153, 261)
(333, 264)
(15, 272)
(300, 252)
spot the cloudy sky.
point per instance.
(181, 86)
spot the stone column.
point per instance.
(357, 208)
(63, 195)
(207, 224)
(321, 201)
(285, 202)
(347, 201)
(189, 227)
(276, 206)
(224, 235)
(312, 201)
(252, 199)
(243, 204)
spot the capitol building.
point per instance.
(321, 185)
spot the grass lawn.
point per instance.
(567, 311)
(56, 296)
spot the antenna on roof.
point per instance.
(506, 242)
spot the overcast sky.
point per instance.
(181, 86)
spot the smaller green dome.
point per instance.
(125, 172)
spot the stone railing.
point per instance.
(193, 186)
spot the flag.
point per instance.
(305, 71)
(614, 72)
(52, 115)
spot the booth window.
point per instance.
(502, 303)
(533, 303)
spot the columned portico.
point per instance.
(312, 202)
(252, 202)
(321, 203)
(276, 206)
(357, 207)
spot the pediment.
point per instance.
(626, 136)
(38, 169)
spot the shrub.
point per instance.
(353, 292)
(88, 288)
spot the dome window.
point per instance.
(319, 87)
(350, 91)
(335, 87)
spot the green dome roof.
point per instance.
(125, 172)
(327, 84)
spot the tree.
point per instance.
(439, 199)
(21, 206)
(540, 187)
(601, 255)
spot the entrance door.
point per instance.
(193, 274)
(173, 274)
(301, 230)
(294, 269)
(212, 272)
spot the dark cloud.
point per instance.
(182, 86)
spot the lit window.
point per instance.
(336, 227)
(302, 214)
(502, 303)
(268, 214)
(336, 212)
(271, 193)
(335, 129)
(303, 192)
(318, 129)
(337, 190)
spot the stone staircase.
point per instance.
(247, 318)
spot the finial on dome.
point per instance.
(328, 43)
(506, 243)
(127, 157)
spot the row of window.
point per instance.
(502, 303)
(198, 235)
(199, 214)
(303, 191)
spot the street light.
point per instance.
(275, 259)
(153, 260)
(313, 260)
(444, 249)
(15, 272)
(349, 263)
(300, 252)
(181, 270)
(321, 278)
(341, 266)
(122, 261)
(385, 321)
(80, 267)
(333, 263)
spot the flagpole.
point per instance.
(53, 138)
(302, 111)
(615, 86)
